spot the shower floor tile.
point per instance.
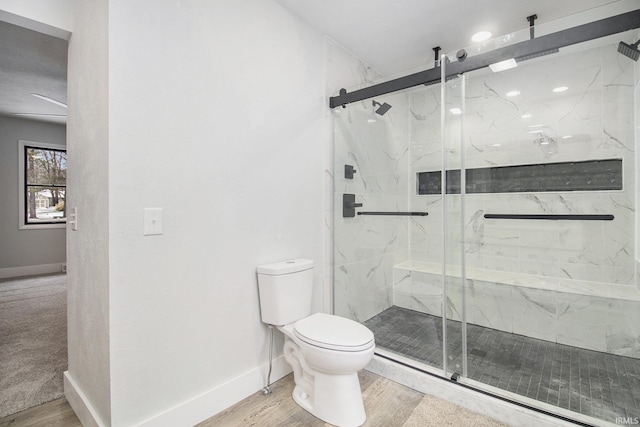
(592, 383)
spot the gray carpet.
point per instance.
(33, 341)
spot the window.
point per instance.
(43, 185)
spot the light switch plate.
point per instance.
(152, 221)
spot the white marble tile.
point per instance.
(623, 328)
(534, 313)
(582, 321)
(363, 289)
(491, 304)
(402, 284)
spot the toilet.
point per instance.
(325, 351)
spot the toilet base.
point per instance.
(337, 399)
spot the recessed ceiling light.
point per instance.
(496, 145)
(503, 65)
(526, 116)
(455, 111)
(38, 115)
(481, 36)
(567, 136)
(513, 93)
(560, 89)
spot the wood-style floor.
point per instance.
(56, 413)
(387, 404)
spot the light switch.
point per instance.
(73, 220)
(152, 221)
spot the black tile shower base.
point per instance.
(592, 383)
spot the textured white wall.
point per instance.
(88, 184)
(217, 114)
(25, 247)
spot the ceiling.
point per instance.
(392, 36)
(32, 62)
(395, 36)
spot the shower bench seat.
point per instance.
(597, 316)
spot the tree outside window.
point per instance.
(45, 172)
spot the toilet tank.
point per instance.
(285, 291)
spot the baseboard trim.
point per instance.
(216, 400)
(80, 404)
(31, 270)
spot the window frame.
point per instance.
(22, 187)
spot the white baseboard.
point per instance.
(192, 411)
(31, 270)
(216, 400)
(80, 404)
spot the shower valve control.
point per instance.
(349, 205)
(349, 171)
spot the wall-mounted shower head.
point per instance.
(382, 108)
(629, 50)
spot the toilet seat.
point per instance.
(333, 333)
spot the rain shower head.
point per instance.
(629, 50)
(382, 108)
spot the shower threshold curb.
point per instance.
(429, 381)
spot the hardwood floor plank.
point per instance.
(56, 413)
(435, 412)
(389, 404)
(276, 409)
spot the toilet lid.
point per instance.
(333, 332)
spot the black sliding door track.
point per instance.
(527, 49)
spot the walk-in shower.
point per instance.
(492, 230)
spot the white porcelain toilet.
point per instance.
(325, 351)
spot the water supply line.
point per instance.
(267, 389)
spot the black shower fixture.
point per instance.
(629, 50)
(532, 23)
(382, 108)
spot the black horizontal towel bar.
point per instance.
(395, 213)
(573, 217)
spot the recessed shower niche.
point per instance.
(589, 175)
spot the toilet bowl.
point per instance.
(325, 351)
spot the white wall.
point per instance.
(217, 114)
(88, 184)
(25, 250)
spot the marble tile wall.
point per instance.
(588, 321)
(365, 248)
(343, 71)
(591, 120)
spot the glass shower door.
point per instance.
(453, 196)
(548, 230)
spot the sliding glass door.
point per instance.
(485, 227)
